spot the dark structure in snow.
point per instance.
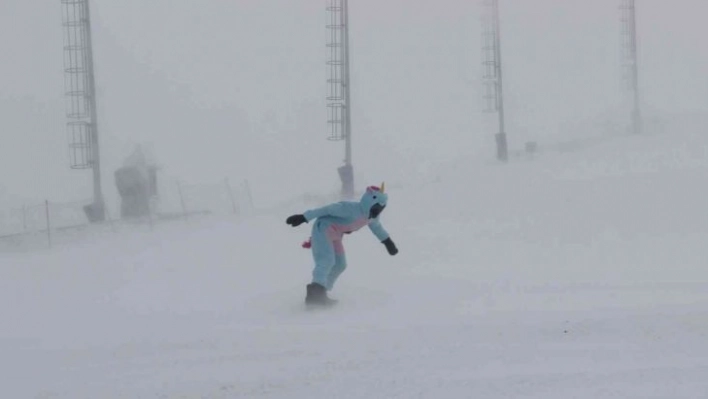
(137, 184)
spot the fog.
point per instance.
(237, 89)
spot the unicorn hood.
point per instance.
(374, 200)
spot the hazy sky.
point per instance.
(237, 88)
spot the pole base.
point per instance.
(502, 149)
(95, 212)
(346, 175)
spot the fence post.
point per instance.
(110, 220)
(181, 199)
(49, 228)
(150, 216)
(248, 194)
(231, 195)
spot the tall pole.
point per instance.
(80, 85)
(502, 148)
(491, 54)
(96, 166)
(339, 98)
(636, 114)
(347, 94)
(629, 47)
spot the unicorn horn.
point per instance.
(383, 187)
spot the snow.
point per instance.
(578, 274)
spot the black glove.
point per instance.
(296, 220)
(390, 246)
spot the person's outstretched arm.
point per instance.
(338, 209)
(383, 236)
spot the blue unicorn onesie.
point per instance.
(331, 223)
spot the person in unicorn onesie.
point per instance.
(331, 223)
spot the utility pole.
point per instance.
(80, 84)
(492, 75)
(629, 59)
(339, 97)
(347, 90)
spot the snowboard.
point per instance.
(318, 306)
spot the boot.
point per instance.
(317, 295)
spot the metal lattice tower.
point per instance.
(339, 96)
(630, 72)
(492, 72)
(80, 89)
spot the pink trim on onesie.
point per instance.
(337, 231)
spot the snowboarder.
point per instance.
(332, 222)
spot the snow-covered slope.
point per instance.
(581, 274)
